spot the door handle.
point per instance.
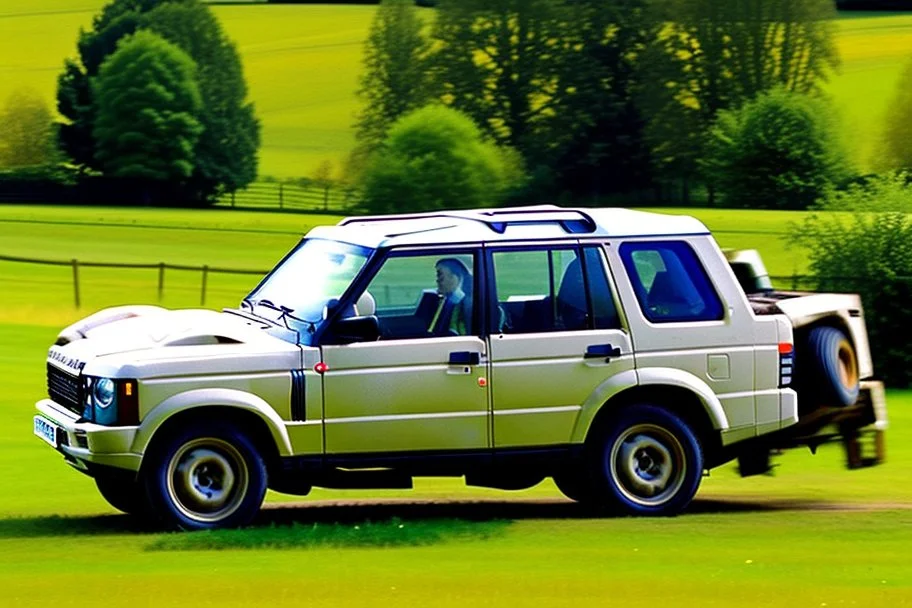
(602, 350)
(465, 357)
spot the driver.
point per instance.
(453, 316)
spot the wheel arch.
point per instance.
(249, 413)
(695, 404)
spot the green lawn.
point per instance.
(811, 534)
(303, 61)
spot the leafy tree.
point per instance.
(597, 128)
(26, 131)
(707, 56)
(869, 254)
(395, 80)
(499, 62)
(435, 158)
(148, 101)
(781, 150)
(896, 142)
(226, 153)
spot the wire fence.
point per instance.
(794, 282)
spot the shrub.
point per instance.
(875, 193)
(436, 158)
(780, 151)
(869, 254)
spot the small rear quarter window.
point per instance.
(670, 283)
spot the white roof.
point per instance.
(506, 224)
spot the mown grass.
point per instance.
(390, 533)
(303, 62)
(805, 536)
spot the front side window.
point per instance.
(670, 283)
(423, 296)
(315, 273)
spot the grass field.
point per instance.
(812, 534)
(302, 65)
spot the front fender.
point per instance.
(648, 377)
(204, 397)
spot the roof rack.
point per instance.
(573, 221)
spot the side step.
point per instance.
(363, 479)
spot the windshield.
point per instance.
(297, 290)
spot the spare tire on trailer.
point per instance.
(833, 373)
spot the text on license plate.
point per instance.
(46, 430)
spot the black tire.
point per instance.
(205, 477)
(646, 462)
(122, 491)
(574, 483)
(833, 367)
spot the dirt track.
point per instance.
(538, 508)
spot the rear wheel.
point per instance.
(647, 462)
(206, 477)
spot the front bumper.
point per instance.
(84, 444)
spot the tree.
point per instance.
(707, 56)
(435, 158)
(499, 62)
(26, 131)
(597, 129)
(226, 154)
(779, 151)
(896, 142)
(395, 79)
(148, 101)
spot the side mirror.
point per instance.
(355, 329)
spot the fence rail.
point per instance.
(793, 282)
(75, 264)
(293, 197)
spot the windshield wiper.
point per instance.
(285, 313)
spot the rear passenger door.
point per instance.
(555, 335)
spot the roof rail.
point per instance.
(571, 220)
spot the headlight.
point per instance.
(110, 402)
(103, 392)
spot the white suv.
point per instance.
(612, 350)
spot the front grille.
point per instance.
(65, 389)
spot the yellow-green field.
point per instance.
(812, 534)
(302, 65)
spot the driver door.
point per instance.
(413, 389)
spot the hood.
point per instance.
(149, 333)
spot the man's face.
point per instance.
(447, 281)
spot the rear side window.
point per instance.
(670, 283)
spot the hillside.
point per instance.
(302, 64)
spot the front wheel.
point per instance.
(122, 491)
(206, 477)
(648, 462)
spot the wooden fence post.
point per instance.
(280, 196)
(203, 291)
(75, 263)
(232, 198)
(161, 279)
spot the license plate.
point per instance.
(47, 430)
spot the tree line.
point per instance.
(602, 98)
(154, 110)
